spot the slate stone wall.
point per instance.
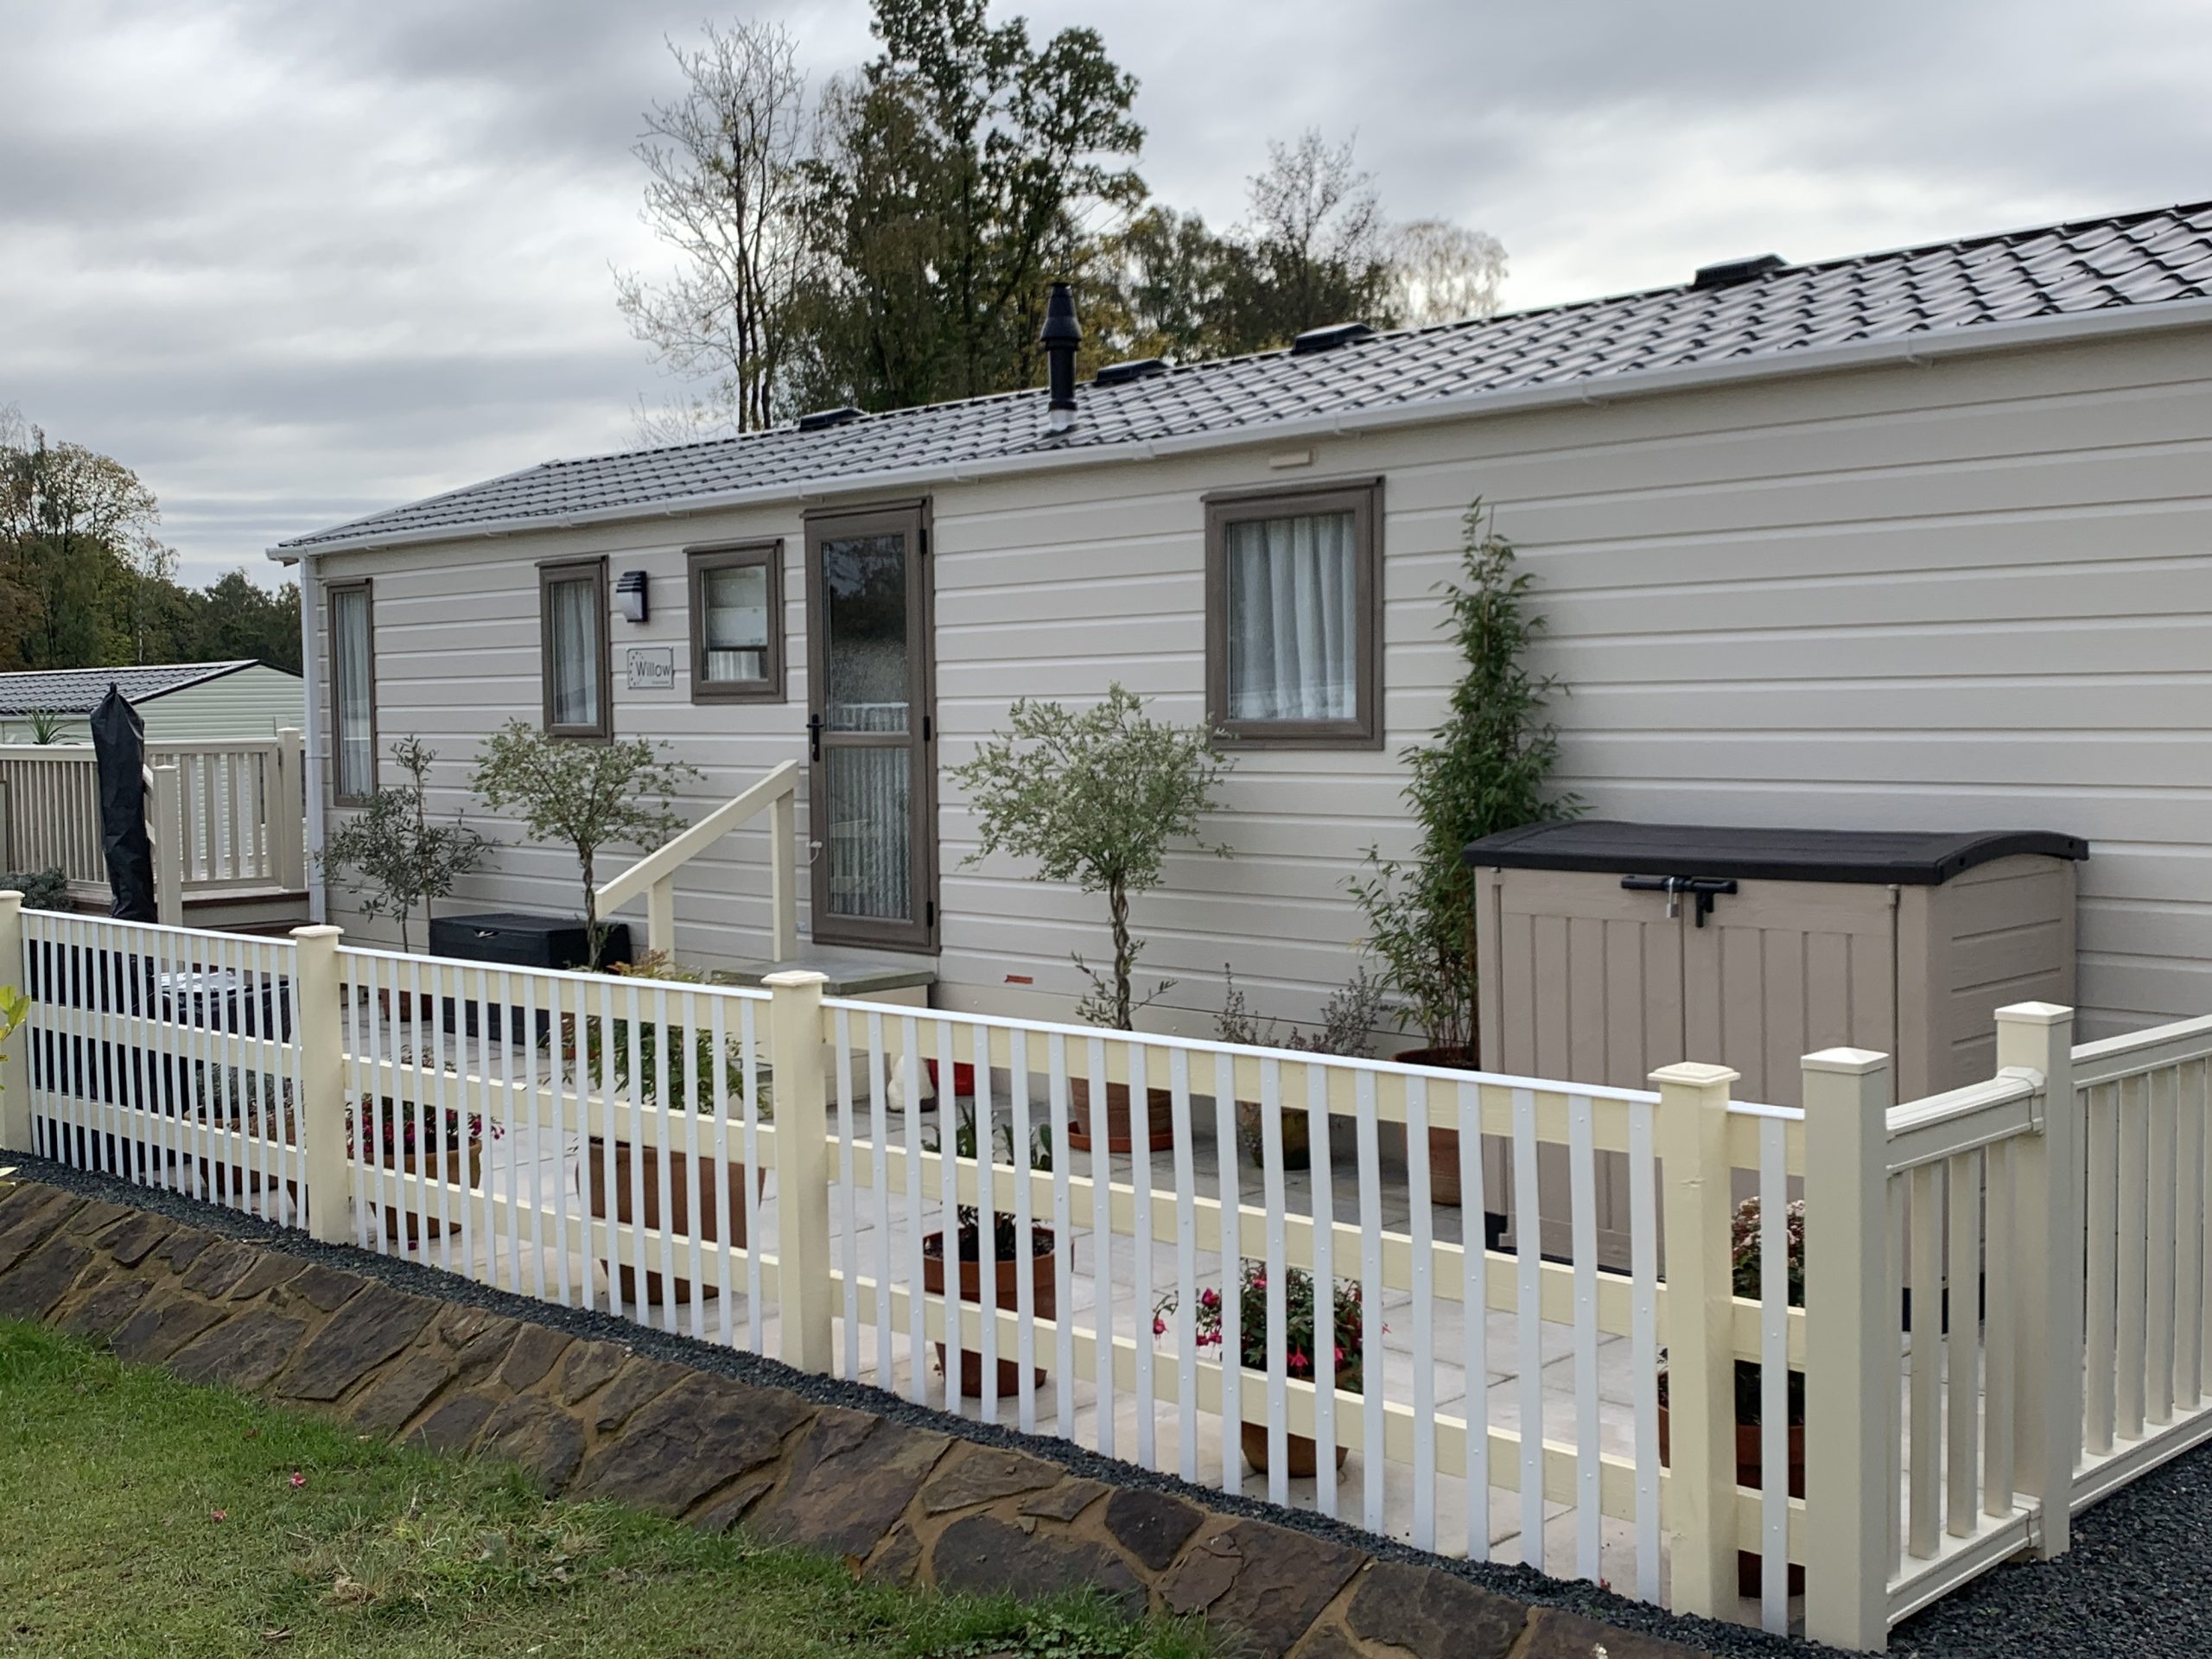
(593, 1418)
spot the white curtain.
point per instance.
(1291, 611)
(735, 628)
(575, 653)
(350, 672)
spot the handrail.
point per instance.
(1943, 1126)
(2111, 1059)
(654, 874)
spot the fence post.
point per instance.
(321, 1111)
(802, 1167)
(1701, 1515)
(167, 802)
(14, 1063)
(284, 803)
(2047, 1410)
(1850, 1349)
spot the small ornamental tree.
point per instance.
(584, 796)
(1487, 768)
(393, 855)
(1095, 797)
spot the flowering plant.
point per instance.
(397, 1125)
(1744, 1280)
(1298, 1337)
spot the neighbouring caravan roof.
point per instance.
(78, 690)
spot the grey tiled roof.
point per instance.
(2058, 271)
(78, 690)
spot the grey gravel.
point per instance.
(2138, 1581)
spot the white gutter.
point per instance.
(311, 740)
(1915, 349)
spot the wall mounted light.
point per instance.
(630, 595)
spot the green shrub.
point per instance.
(42, 889)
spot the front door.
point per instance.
(871, 795)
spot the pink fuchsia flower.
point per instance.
(298, 1480)
(1159, 1325)
(1298, 1362)
(1209, 1297)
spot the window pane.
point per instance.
(350, 671)
(864, 578)
(868, 850)
(573, 668)
(1293, 632)
(734, 630)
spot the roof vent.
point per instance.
(1729, 272)
(1139, 368)
(823, 418)
(1328, 338)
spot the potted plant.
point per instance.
(1301, 1456)
(412, 1138)
(1349, 1020)
(1486, 768)
(585, 797)
(610, 1055)
(1095, 797)
(1007, 1253)
(1744, 1276)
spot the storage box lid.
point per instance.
(1907, 857)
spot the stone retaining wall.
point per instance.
(899, 1500)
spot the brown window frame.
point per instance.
(1363, 498)
(364, 586)
(558, 570)
(699, 562)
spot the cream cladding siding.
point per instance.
(1974, 594)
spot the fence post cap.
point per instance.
(794, 979)
(1695, 1074)
(1850, 1062)
(2035, 1013)
(318, 931)
(10, 898)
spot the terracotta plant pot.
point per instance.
(1006, 1279)
(1748, 1473)
(1301, 1457)
(1160, 1116)
(963, 1079)
(1297, 1135)
(1443, 1144)
(420, 1226)
(718, 1197)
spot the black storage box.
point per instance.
(517, 939)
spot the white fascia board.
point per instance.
(1972, 339)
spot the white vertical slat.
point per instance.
(1186, 1264)
(1102, 1240)
(558, 1007)
(662, 1193)
(848, 1205)
(535, 1112)
(1232, 1395)
(2159, 1275)
(879, 1088)
(2101, 1301)
(372, 1137)
(2134, 1199)
(1529, 1332)
(987, 1276)
(1025, 1236)
(1774, 1377)
(1374, 1374)
(1272, 1187)
(2189, 1226)
(1962, 1356)
(432, 1048)
(1582, 1197)
(1147, 1406)
(1323, 1374)
(2196, 1081)
(618, 1243)
(1421, 1225)
(1999, 1390)
(695, 1186)
(1894, 1269)
(909, 1032)
(1926, 1244)
(749, 1072)
(729, 1198)
(1056, 1083)
(360, 1019)
(948, 1124)
(1644, 1340)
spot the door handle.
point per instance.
(814, 737)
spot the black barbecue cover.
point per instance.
(119, 749)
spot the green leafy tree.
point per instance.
(586, 796)
(393, 855)
(1487, 768)
(1095, 797)
(78, 554)
(235, 617)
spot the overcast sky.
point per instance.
(293, 262)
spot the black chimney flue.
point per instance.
(1061, 336)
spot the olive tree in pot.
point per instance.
(1095, 797)
(393, 855)
(585, 797)
(1487, 767)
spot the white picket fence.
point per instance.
(763, 1168)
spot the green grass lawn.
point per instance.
(139, 1514)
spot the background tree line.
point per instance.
(84, 582)
(886, 238)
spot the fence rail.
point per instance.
(1053, 1227)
